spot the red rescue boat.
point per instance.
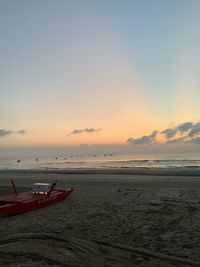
(42, 195)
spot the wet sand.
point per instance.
(111, 219)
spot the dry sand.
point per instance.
(115, 219)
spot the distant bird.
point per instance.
(36, 159)
(56, 158)
(18, 160)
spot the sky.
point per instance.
(99, 72)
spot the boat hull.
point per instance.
(28, 201)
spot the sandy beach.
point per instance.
(113, 218)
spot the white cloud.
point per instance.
(146, 139)
(86, 130)
(5, 133)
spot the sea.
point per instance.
(101, 161)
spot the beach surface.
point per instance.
(113, 218)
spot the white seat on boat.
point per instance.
(41, 188)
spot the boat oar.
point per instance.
(52, 187)
(14, 187)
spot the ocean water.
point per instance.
(105, 161)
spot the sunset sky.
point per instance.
(99, 72)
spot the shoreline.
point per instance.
(125, 171)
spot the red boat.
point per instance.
(42, 195)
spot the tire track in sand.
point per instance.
(56, 250)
